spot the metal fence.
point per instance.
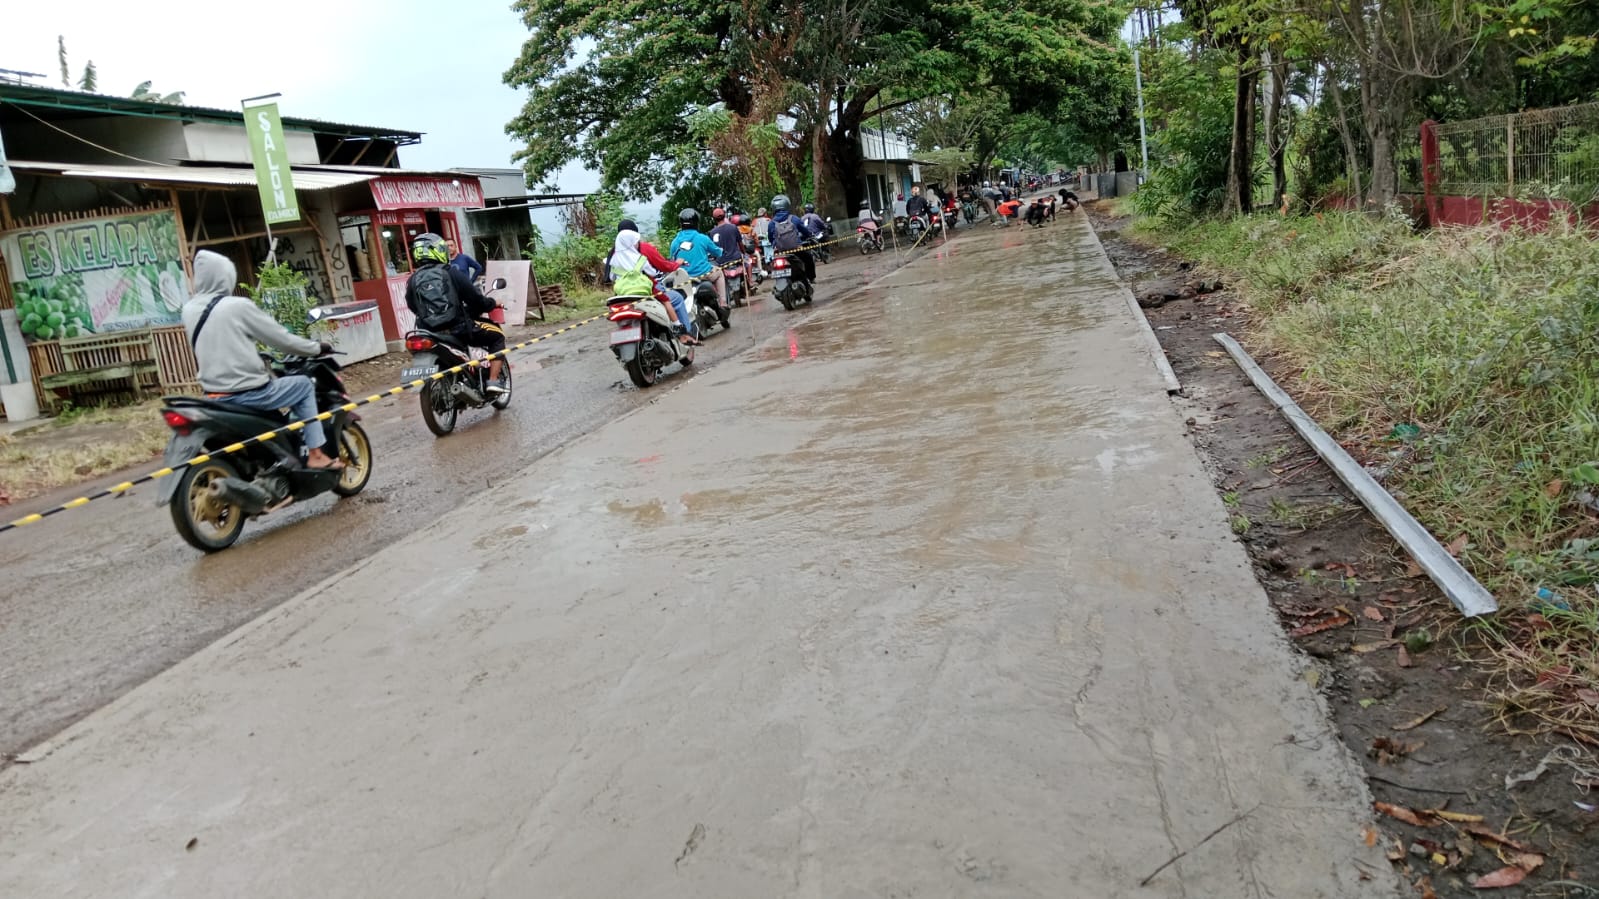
(1545, 153)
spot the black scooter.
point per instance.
(443, 398)
(213, 498)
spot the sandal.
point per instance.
(333, 465)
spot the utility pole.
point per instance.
(1143, 136)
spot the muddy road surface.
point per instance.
(98, 599)
(926, 596)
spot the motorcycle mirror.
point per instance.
(499, 283)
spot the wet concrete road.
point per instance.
(97, 600)
(929, 597)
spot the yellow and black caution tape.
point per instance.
(125, 486)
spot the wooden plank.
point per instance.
(183, 240)
(92, 375)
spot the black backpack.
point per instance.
(785, 234)
(437, 306)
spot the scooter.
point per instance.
(442, 399)
(951, 215)
(644, 341)
(790, 288)
(738, 277)
(706, 308)
(211, 500)
(869, 235)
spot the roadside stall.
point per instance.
(376, 240)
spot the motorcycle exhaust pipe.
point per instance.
(244, 494)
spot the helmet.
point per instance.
(810, 207)
(718, 214)
(688, 218)
(780, 203)
(988, 184)
(429, 247)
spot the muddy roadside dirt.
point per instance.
(1392, 656)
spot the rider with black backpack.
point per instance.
(446, 301)
(788, 233)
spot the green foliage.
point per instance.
(575, 259)
(1483, 340)
(281, 291)
(1189, 155)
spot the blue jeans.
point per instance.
(294, 392)
(680, 303)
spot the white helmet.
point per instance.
(988, 184)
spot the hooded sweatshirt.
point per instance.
(226, 349)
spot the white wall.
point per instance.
(211, 142)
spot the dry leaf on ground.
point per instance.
(1483, 831)
(1456, 545)
(1400, 813)
(1404, 657)
(1316, 627)
(1423, 718)
(1507, 876)
(1372, 612)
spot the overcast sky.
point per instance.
(405, 64)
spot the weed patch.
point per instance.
(1463, 366)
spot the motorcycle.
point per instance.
(968, 207)
(706, 307)
(212, 500)
(643, 340)
(442, 399)
(869, 235)
(902, 226)
(739, 277)
(915, 228)
(823, 249)
(788, 285)
(951, 215)
(752, 263)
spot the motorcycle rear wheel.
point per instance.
(193, 501)
(439, 410)
(355, 449)
(640, 371)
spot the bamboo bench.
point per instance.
(104, 357)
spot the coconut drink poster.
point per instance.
(91, 276)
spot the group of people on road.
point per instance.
(637, 268)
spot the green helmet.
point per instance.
(428, 248)
(780, 203)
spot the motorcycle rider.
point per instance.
(788, 233)
(990, 198)
(729, 243)
(445, 300)
(635, 265)
(916, 206)
(224, 330)
(813, 221)
(691, 247)
(868, 222)
(761, 225)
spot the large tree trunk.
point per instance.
(1241, 161)
(1384, 177)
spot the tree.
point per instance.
(615, 84)
(61, 56)
(90, 79)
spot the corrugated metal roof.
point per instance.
(45, 96)
(221, 176)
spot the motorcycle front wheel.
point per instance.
(203, 521)
(355, 450)
(438, 405)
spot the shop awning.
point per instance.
(210, 176)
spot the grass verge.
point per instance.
(577, 304)
(77, 445)
(1465, 364)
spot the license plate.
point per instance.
(419, 371)
(625, 335)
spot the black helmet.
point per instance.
(810, 207)
(780, 203)
(688, 218)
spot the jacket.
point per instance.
(783, 216)
(226, 348)
(695, 250)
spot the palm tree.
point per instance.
(143, 92)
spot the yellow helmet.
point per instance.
(429, 247)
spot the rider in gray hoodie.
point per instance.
(231, 369)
